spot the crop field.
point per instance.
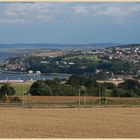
(69, 123)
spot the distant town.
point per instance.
(119, 62)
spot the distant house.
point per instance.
(44, 62)
(30, 72)
(38, 72)
(83, 67)
(57, 62)
(71, 63)
(64, 62)
(110, 57)
(51, 56)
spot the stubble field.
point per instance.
(69, 122)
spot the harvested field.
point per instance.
(70, 123)
(48, 54)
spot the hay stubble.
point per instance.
(70, 123)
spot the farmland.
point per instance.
(73, 101)
(70, 123)
(20, 87)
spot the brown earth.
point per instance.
(69, 123)
(47, 54)
(116, 82)
(58, 99)
(73, 98)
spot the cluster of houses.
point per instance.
(128, 53)
(131, 54)
(58, 62)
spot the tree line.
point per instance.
(87, 86)
(83, 66)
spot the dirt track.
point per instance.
(86, 123)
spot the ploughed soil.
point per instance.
(69, 122)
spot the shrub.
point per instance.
(40, 88)
(118, 92)
(7, 90)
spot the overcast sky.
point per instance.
(69, 22)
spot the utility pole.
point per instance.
(99, 95)
(23, 95)
(79, 100)
(106, 96)
(85, 99)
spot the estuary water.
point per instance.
(23, 76)
(26, 77)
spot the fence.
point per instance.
(69, 101)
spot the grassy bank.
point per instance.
(20, 88)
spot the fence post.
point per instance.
(79, 100)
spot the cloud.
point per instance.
(108, 10)
(118, 13)
(24, 12)
(47, 12)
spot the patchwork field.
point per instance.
(69, 123)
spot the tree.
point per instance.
(77, 80)
(132, 88)
(74, 80)
(68, 90)
(118, 92)
(109, 85)
(1, 95)
(130, 93)
(61, 89)
(40, 88)
(94, 88)
(7, 90)
(129, 84)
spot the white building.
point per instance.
(30, 72)
(71, 63)
(38, 72)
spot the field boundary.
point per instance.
(70, 102)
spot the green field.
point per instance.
(89, 57)
(20, 87)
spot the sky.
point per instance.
(69, 23)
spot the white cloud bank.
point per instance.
(108, 10)
(46, 12)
